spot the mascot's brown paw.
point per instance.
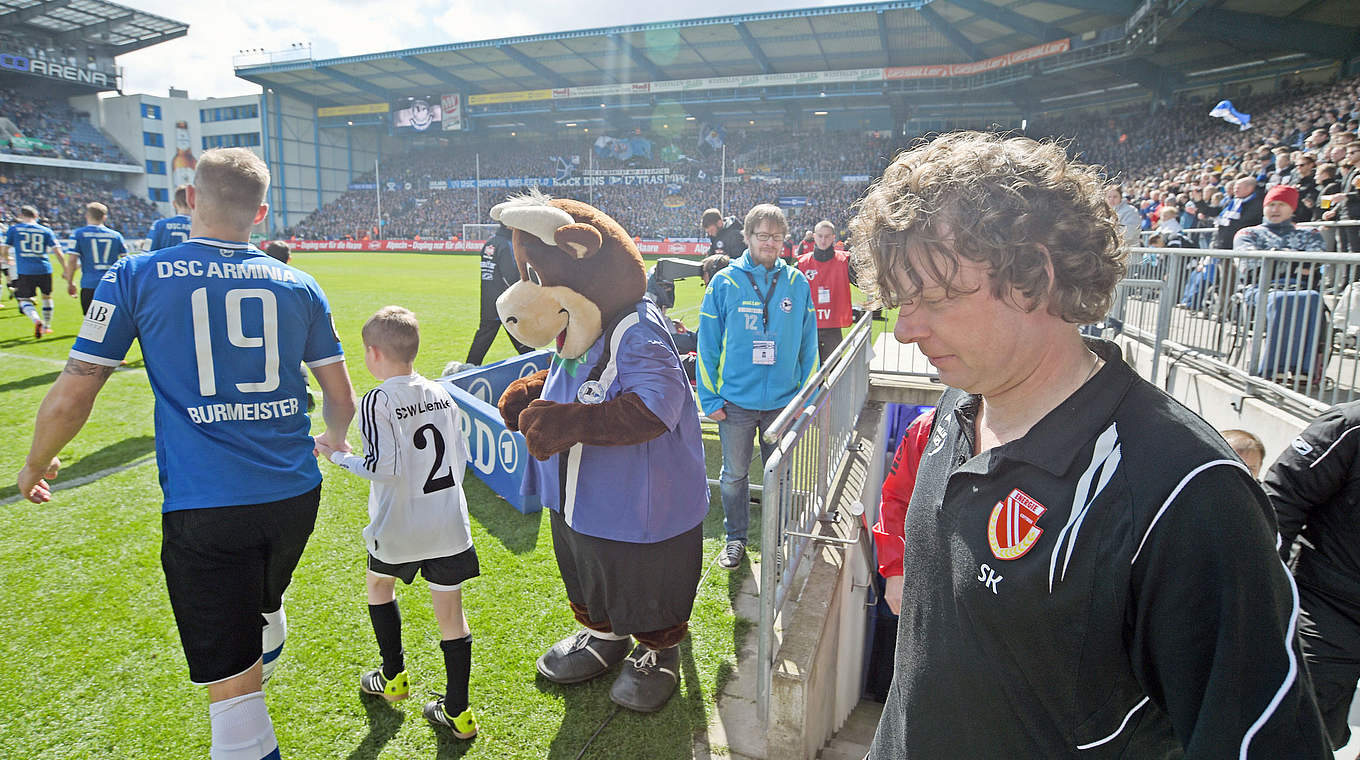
(548, 426)
(519, 395)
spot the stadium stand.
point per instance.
(61, 203)
(59, 130)
(1181, 154)
(808, 166)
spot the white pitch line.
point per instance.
(59, 362)
(43, 359)
(60, 485)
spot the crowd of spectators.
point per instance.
(1177, 156)
(65, 132)
(61, 203)
(762, 165)
(1178, 167)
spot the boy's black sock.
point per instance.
(387, 627)
(458, 668)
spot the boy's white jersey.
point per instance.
(415, 455)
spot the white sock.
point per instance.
(29, 310)
(241, 729)
(272, 637)
(611, 636)
(47, 311)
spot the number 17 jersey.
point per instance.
(224, 330)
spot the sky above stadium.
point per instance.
(201, 62)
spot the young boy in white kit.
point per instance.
(415, 456)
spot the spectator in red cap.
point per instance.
(1278, 233)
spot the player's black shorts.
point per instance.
(27, 285)
(440, 571)
(224, 567)
(86, 296)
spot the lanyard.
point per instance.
(764, 297)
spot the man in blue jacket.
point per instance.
(757, 347)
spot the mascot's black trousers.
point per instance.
(646, 590)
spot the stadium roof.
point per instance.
(1159, 45)
(94, 22)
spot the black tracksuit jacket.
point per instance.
(1106, 586)
(1315, 489)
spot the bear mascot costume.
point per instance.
(617, 455)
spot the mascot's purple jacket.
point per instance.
(612, 425)
(642, 493)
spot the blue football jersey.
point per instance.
(99, 247)
(31, 244)
(224, 330)
(170, 231)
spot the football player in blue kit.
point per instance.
(224, 330)
(97, 249)
(31, 243)
(172, 230)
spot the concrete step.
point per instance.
(862, 723)
(839, 749)
(852, 741)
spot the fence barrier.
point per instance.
(811, 436)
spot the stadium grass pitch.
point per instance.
(87, 633)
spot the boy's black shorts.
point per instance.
(28, 285)
(225, 566)
(440, 571)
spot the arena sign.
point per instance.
(53, 70)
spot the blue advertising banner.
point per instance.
(499, 456)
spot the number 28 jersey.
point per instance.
(224, 330)
(31, 244)
(415, 454)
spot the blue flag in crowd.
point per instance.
(1225, 111)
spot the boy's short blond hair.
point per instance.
(1244, 442)
(96, 211)
(394, 331)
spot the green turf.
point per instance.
(87, 635)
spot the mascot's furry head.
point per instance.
(577, 269)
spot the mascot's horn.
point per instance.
(540, 221)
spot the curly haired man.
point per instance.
(1089, 570)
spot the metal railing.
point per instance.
(1204, 236)
(1271, 323)
(811, 437)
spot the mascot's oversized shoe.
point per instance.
(580, 657)
(648, 679)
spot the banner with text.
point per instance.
(877, 74)
(645, 247)
(589, 179)
(941, 71)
